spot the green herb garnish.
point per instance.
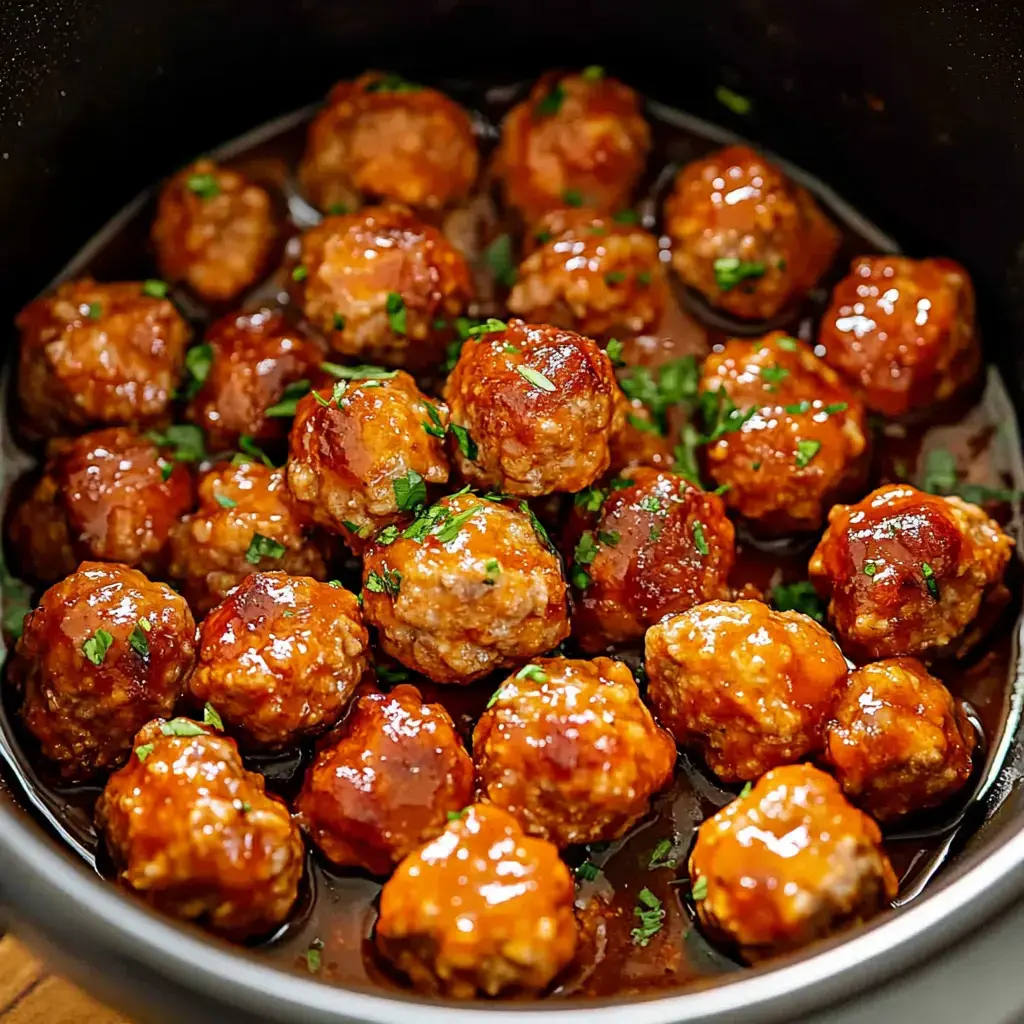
(731, 271)
(535, 377)
(211, 717)
(263, 547)
(397, 313)
(798, 597)
(651, 914)
(95, 647)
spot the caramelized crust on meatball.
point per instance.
(540, 406)
(196, 836)
(788, 864)
(909, 573)
(570, 750)
(748, 686)
(467, 588)
(105, 651)
(481, 910)
(751, 241)
(903, 331)
(38, 539)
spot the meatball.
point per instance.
(366, 451)
(384, 137)
(651, 547)
(482, 909)
(638, 441)
(902, 331)
(387, 781)
(751, 241)
(382, 286)
(898, 742)
(909, 573)
(578, 140)
(280, 657)
(533, 410)
(195, 834)
(748, 686)
(94, 355)
(470, 586)
(787, 864)
(38, 539)
(590, 273)
(569, 748)
(105, 651)
(253, 360)
(803, 444)
(246, 521)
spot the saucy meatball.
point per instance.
(105, 651)
(38, 539)
(751, 241)
(902, 331)
(898, 742)
(469, 587)
(386, 782)
(280, 657)
(214, 230)
(533, 410)
(195, 835)
(652, 547)
(577, 140)
(637, 441)
(482, 909)
(748, 686)
(570, 750)
(95, 355)
(382, 286)
(909, 573)
(787, 864)
(804, 443)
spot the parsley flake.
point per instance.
(870, 568)
(805, 451)
(143, 751)
(699, 539)
(572, 197)
(358, 372)
(392, 83)
(589, 500)
(733, 101)
(731, 271)
(492, 567)
(250, 448)
(774, 375)
(588, 871)
(198, 361)
(798, 597)
(930, 581)
(155, 288)
(397, 313)
(466, 443)
(651, 914)
(182, 727)
(534, 673)
(700, 888)
(788, 344)
(410, 491)
(614, 277)
(95, 647)
(389, 582)
(535, 377)
(593, 73)
(490, 326)
(498, 256)
(551, 104)
(262, 547)
(211, 717)
(660, 856)
(300, 273)
(205, 186)
(137, 638)
(746, 790)
(626, 217)
(586, 549)
(614, 352)
(290, 399)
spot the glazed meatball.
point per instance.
(578, 140)
(246, 521)
(386, 782)
(902, 331)
(253, 358)
(909, 573)
(789, 863)
(365, 451)
(382, 286)
(569, 748)
(748, 686)
(481, 910)
(94, 355)
(195, 835)
(751, 241)
(214, 230)
(638, 441)
(38, 539)
(539, 407)
(898, 742)
(469, 587)
(803, 445)
(105, 651)
(651, 547)
(590, 273)
(280, 657)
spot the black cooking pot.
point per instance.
(912, 109)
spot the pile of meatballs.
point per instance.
(502, 509)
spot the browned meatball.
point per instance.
(570, 750)
(898, 742)
(105, 651)
(469, 587)
(387, 781)
(748, 686)
(539, 407)
(98, 354)
(650, 547)
(903, 331)
(637, 441)
(280, 657)
(789, 863)
(745, 236)
(578, 140)
(38, 540)
(483, 909)
(803, 445)
(382, 286)
(909, 573)
(195, 835)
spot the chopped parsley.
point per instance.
(834, 407)
(387, 582)
(731, 271)
(930, 581)
(95, 647)
(211, 717)
(198, 361)
(798, 597)
(746, 790)
(466, 443)
(721, 416)
(588, 871)
(410, 491)
(435, 427)
(454, 815)
(16, 602)
(651, 914)
(614, 352)
(589, 500)
(250, 448)
(586, 549)
(535, 377)
(609, 537)
(358, 372)
(675, 383)
(397, 313)
(641, 424)
(491, 325)
(534, 673)
(733, 101)
(551, 104)
(386, 536)
(788, 344)
(142, 752)
(699, 539)
(205, 186)
(661, 856)
(392, 83)
(137, 638)
(626, 217)
(492, 567)
(643, 278)
(338, 209)
(593, 73)
(313, 956)
(182, 727)
(94, 310)
(572, 197)
(155, 288)
(941, 477)
(805, 451)
(798, 408)
(290, 398)
(300, 273)
(700, 888)
(495, 697)
(262, 547)
(651, 503)
(338, 322)
(393, 674)
(614, 277)
(870, 568)
(773, 375)
(498, 256)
